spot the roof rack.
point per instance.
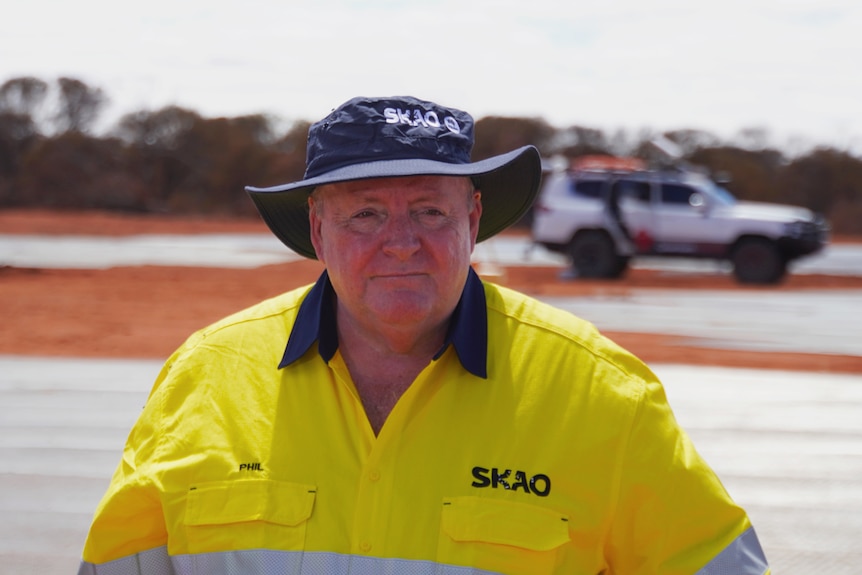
(606, 163)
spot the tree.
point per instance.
(77, 171)
(287, 162)
(577, 141)
(20, 98)
(496, 135)
(162, 130)
(23, 96)
(156, 139)
(753, 138)
(828, 181)
(226, 155)
(78, 107)
(753, 175)
(194, 164)
(692, 140)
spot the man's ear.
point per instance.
(315, 229)
(475, 216)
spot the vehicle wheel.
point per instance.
(593, 256)
(758, 261)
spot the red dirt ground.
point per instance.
(146, 312)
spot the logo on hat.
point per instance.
(415, 118)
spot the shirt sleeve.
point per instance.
(129, 524)
(673, 515)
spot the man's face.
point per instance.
(397, 249)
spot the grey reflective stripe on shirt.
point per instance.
(308, 563)
(151, 562)
(266, 561)
(742, 557)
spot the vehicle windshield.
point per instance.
(721, 194)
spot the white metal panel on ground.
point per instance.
(788, 447)
(254, 250)
(822, 322)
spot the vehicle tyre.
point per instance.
(758, 261)
(593, 256)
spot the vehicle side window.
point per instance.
(631, 189)
(587, 188)
(676, 194)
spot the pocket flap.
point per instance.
(220, 502)
(504, 523)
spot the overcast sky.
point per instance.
(790, 67)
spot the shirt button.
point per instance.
(365, 546)
(374, 475)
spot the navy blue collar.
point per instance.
(468, 328)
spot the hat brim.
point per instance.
(508, 182)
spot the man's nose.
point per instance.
(401, 236)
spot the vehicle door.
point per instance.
(683, 225)
(629, 208)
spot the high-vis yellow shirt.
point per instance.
(530, 445)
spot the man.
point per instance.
(401, 415)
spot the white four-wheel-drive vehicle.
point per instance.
(602, 212)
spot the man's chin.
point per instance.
(403, 309)
(403, 315)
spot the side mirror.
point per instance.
(698, 202)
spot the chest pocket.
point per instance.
(499, 535)
(247, 514)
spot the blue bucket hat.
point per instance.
(399, 136)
